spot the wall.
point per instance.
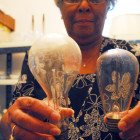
(22, 11)
(121, 7)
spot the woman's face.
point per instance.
(84, 21)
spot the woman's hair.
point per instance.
(111, 2)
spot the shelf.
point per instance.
(15, 44)
(8, 81)
(13, 47)
(9, 49)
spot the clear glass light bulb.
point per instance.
(117, 73)
(55, 61)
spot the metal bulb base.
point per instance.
(112, 125)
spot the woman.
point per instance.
(84, 20)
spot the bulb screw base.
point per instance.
(112, 125)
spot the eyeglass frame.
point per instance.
(81, 0)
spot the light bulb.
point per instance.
(55, 61)
(117, 72)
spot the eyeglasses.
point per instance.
(78, 1)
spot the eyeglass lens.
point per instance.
(78, 1)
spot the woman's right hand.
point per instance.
(28, 114)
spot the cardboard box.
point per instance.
(7, 21)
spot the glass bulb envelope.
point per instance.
(117, 72)
(55, 61)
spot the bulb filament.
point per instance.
(116, 111)
(55, 98)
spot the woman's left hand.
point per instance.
(130, 124)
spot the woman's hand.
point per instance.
(130, 124)
(28, 114)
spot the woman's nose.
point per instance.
(84, 6)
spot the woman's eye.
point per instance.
(96, 1)
(72, 1)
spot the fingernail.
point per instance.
(55, 131)
(122, 125)
(71, 112)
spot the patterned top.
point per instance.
(88, 120)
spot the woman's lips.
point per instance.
(84, 22)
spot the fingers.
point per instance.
(23, 134)
(131, 133)
(130, 124)
(130, 119)
(66, 112)
(42, 108)
(22, 113)
(37, 106)
(30, 123)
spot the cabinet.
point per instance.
(9, 49)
